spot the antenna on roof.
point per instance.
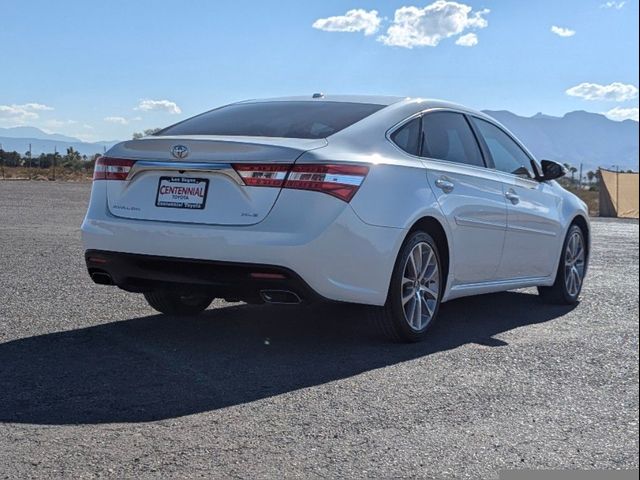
(317, 95)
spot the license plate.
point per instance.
(182, 192)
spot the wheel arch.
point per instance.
(434, 227)
(583, 224)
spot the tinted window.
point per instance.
(448, 136)
(275, 119)
(407, 137)
(507, 154)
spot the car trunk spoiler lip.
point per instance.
(217, 149)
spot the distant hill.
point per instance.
(577, 137)
(19, 138)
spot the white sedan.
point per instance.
(394, 203)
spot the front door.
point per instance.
(534, 231)
(533, 220)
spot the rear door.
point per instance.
(197, 179)
(534, 226)
(468, 193)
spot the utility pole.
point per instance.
(617, 188)
(29, 161)
(580, 178)
(2, 160)
(55, 155)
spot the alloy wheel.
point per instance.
(420, 286)
(574, 263)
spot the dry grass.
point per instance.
(591, 198)
(44, 174)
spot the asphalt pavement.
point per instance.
(94, 383)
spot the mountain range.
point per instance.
(18, 139)
(576, 138)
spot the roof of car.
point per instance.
(406, 103)
(321, 97)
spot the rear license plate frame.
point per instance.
(185, 205)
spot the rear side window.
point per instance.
(296, 119)
(448, 136)
(507, 154)
(407, 137)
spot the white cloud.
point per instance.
(562, 31)
(468, 40)
(11, 113)
(166, 105)
(35, 106)
(88, 127)
(118, 120)
(21, 114)
(356, 20)
(622, 113)
(419, 27)
(616, 5)
(616, 91)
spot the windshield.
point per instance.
(289, 119)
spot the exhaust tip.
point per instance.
(280, 297)
(101, 278)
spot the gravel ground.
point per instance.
(94, 384)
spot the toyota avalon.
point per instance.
(397, 204)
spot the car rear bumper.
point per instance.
(231, 281)
(316, 238)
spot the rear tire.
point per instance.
(174, 304)
(571, 270)
(414, 293)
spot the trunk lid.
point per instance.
(197, 182)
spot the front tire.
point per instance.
(571, 270)
(174, 304)
(415, 291)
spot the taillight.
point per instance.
(341, 181)
(271, 175)
(108, 168)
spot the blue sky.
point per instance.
(85, 68)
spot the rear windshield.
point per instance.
(275, 119)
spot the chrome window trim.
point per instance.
(421, 113)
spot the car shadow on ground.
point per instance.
(159, 367)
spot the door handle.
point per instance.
(444, 184)
(512, 196)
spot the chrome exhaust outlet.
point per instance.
(101, 278)
(280, 297)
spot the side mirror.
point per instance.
(552, 170)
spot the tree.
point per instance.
(590, 176)
(12, 159)
(573, 171)
(43, 161)
(145, 133)
(72, 159)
